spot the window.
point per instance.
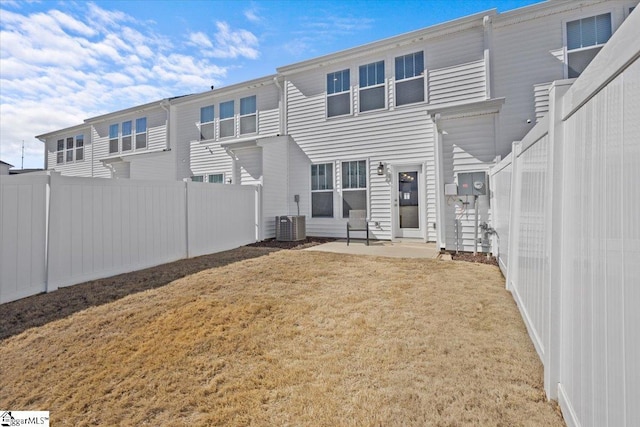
(141, 133)
(216, 178)
(354, 186)
(197, 178)
(79, 147)
(70, 149)
(227, 125)
(585, 38)
(60, 152)
(338, 94)
(248, 123)
(207, 125)
(126, 136)
(113, 138)
(372, 86)
(69, 157)
(410, 78)
(322, 190)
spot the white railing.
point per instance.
(573, 236)
(58, 231)
(459, 83)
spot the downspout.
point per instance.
(281, 121)
(165, 105)
(440, 204)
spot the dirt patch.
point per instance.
(470, 257)
(300, 244)
(292, 338)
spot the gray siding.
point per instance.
(76, 167)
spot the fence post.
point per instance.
(553, 238)
(186, 217)
(49, 193)
(514, 216)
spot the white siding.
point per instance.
(458, 83)
(275, 166)
(74, 168)
(195, 157)
(541, 99)
(468, 146)
(524, 54)
(248, 166)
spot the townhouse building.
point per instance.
(404, 128)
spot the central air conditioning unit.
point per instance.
(291, 228)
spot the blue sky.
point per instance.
(64, 61)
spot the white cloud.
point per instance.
(232, 44)
(200, 40)
(56, 71)
(252, 14)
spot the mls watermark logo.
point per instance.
(24, 418)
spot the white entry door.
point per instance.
(407, 199)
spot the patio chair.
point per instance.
(357, 222)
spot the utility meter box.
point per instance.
(450, 190)
(472, 183)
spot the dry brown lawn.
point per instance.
(290, 338)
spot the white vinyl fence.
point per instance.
(570, 238)
(57, 231)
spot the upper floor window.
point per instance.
(207, 125)
(227, 122)
(338, 93)
(248, 116)
(126, 136)
(79, 147)
(354, 186)
(322, 190)
(69, 156)
(197, 178)
(141, 133)
(70, 149)
(585, 38)
(121, 142)
(410, 78)
(372, 86)
(60, 151)
(114, 143)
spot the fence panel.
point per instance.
(102, 227)
(500, 207)
(221, 217)
(22, 236)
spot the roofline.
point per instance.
(437, 30)
(227, 90)
(65, 130)
(539, 10)
(5, 163)
(137, 108)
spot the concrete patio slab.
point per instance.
(396, 249)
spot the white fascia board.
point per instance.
(227, 90)
(455, 110)
(251, 141)
(439, 30)
(137, 109)
(116, 157)
(71, 129)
